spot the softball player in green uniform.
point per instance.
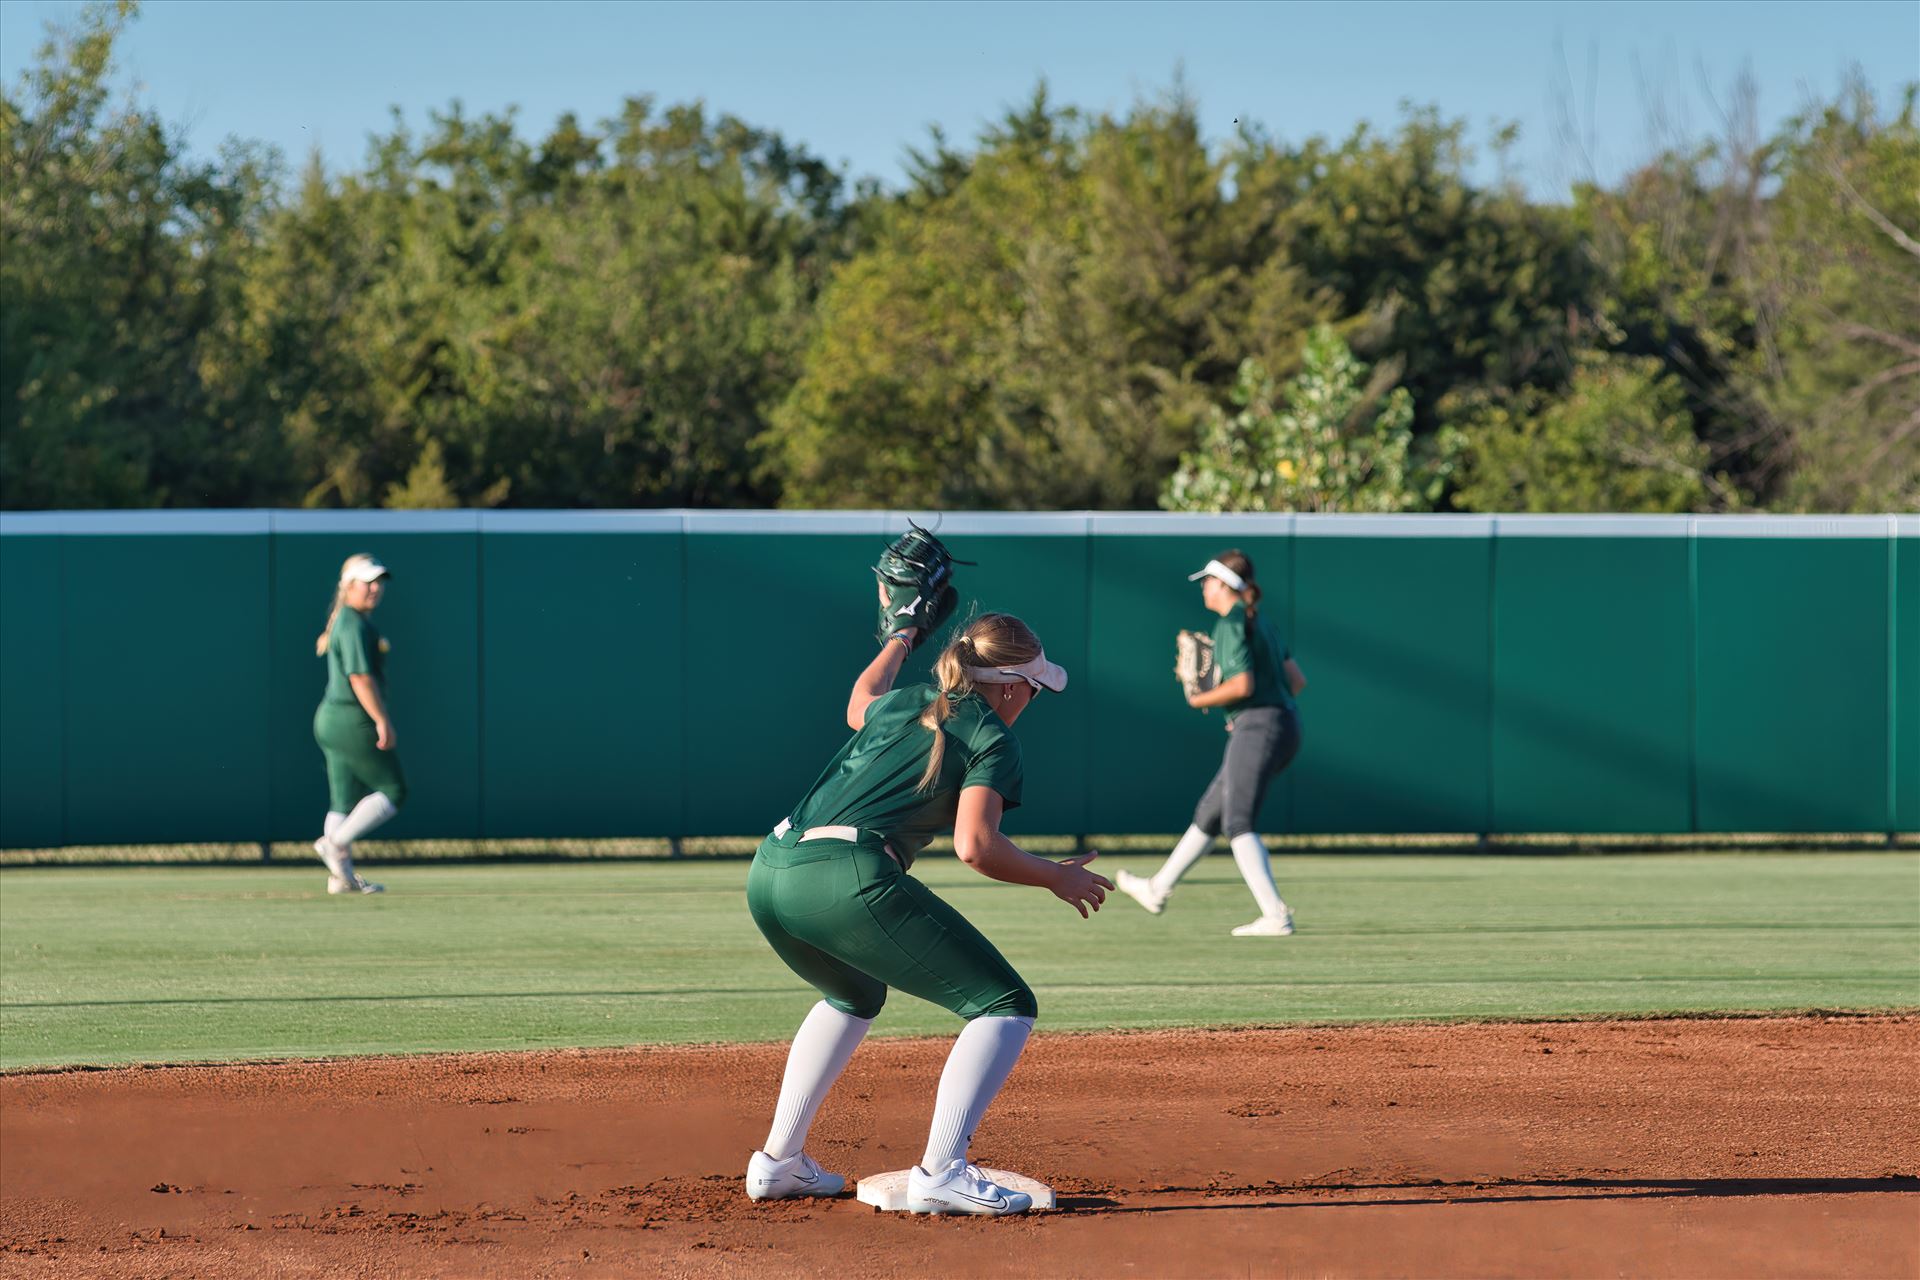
(830, 890)
(1258, 681)
(364, 781)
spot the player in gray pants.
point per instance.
(1258, 681)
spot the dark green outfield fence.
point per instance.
(684, 673)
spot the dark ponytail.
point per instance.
(1249, 594)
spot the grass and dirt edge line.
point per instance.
(1887, 1013)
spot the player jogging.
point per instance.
(830, 890)
(364, 783)
(1258, 681)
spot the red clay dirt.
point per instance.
(1742, 1147)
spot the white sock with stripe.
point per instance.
(374, 808)
(979, 1064)
(332, 825)
(1192, 847)
(1256, 868)
(826, 1039)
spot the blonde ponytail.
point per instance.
(333, 614)
(950, 673)
(990, 640)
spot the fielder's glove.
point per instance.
(916, 585)
(1193, 664)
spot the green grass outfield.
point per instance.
(191, 963)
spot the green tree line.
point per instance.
(678, 308)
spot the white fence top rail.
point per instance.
(972, 524)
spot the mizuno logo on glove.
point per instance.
(916, 571)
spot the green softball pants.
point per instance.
(354, 765)
(851, 923)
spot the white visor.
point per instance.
(365, 569)
(1038, 672)
(1215, 569)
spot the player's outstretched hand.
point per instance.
(1078, 887)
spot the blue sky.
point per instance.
(858, 83)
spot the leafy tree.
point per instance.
(1330, 439)
(598, 319)
(1776, 280)
(120, 257)
(667, 310)
(1836, 373)
(1034, 327)
(1462, 286)
(1618, 438)
(677, 307)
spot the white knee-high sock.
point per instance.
(1250, 855)
(826, 1039)
(981, 1060)
(374, 808)
(1191, 848)
(332, 825)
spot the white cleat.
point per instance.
(340, 874)
(789, 1179)
(1141, 890)
(962, 1188)
(339, 861)
(353, 884)
(1279, 926)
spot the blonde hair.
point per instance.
(347, 566)
(990, 640)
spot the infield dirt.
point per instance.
(1736, 1147)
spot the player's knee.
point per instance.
(1015, 1002)
(866, 1007)
(396, 794)
(1238, 821)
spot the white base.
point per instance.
(889, 1190)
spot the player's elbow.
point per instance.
(971, 846)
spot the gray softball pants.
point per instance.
(1263, 742)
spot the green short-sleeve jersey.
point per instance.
(353, 649)
(874, 782)
(1262, 653)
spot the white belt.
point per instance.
(850, 834)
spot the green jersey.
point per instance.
(353, 649)
(1262, 653)
(874, 782)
